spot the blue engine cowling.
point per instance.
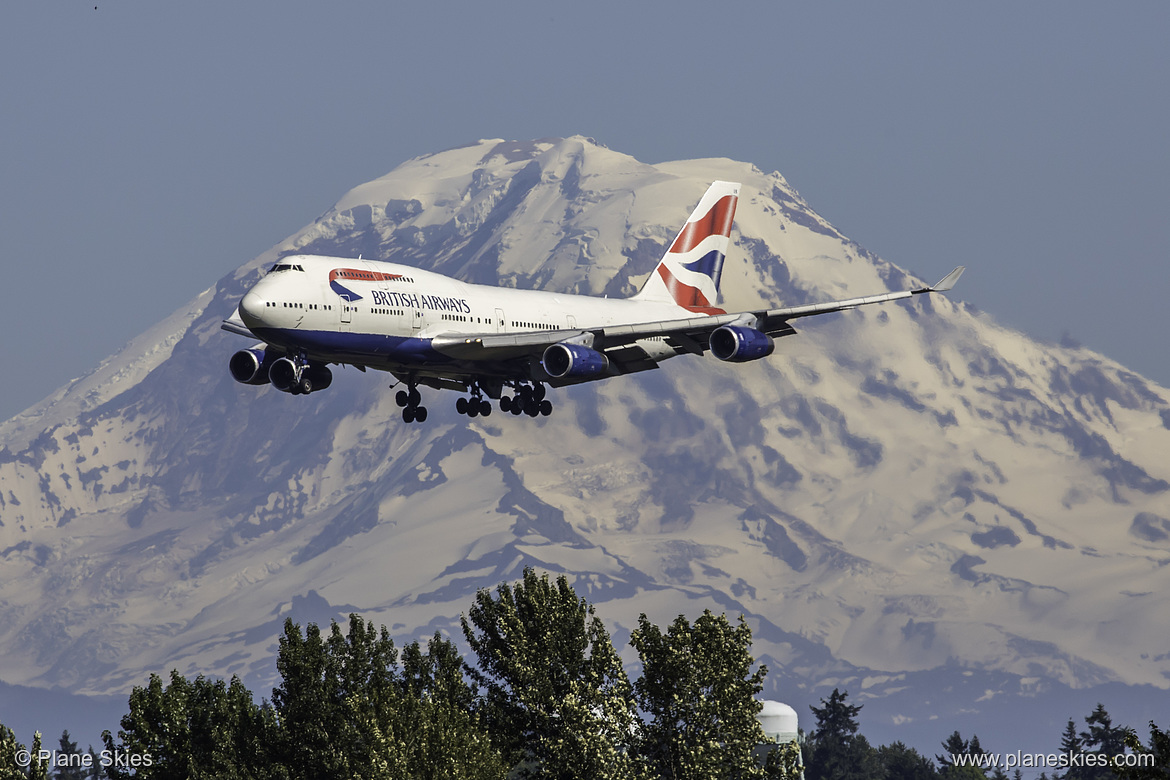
(250, 366)
(739, 344)
(562, 361)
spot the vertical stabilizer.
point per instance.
(688, 274)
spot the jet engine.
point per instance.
(573, 360)
(250, 366)
(291, 377)
(739, 344)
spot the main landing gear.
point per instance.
(409, 400)
(529, 400)
(476, 405)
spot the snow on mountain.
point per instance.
(898, 493)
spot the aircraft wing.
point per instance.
(234, 324)
(691, 334)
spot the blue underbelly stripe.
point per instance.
(371, 345)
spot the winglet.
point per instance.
(948, 281)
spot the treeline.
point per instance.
(543, 694)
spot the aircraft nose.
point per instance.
(252, 308)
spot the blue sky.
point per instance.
(149, 148)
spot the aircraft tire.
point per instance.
(306, 385)
(546, 407)
(505, 403)
(485, 408)
(461, 405)
(401, 398)
(420, 414)
(408, 414)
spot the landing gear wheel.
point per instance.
(546, 408)
(420, 414)
(408, 414)
(505, 403)
(461, 406)
(402, 398)
(305, 386)
(485, 408)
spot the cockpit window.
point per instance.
(285, 267)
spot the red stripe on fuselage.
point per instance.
(365, 276)
(716, 222)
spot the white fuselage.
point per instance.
(386, 315)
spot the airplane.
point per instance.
(309, 312)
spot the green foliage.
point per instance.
(194, 729)
(698, 690)
(1158, 750)
(905, 763)
(835, 750)
(9, 769)
(953, 746)
(556, 699)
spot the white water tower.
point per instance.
(780, 726)
(778, 721)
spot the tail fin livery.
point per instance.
(688, 274)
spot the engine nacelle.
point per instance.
(739, 344)
(320, 376)
(291, 377)
(285, 374)
(573, 360)
(250, 366)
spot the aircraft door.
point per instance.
(499, 320)
(346, 312)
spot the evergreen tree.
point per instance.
(835, 750)
(68, 754)
(698, 690)
(905, 763)
(9, 769)
(1103, 738)
(836, 720)
(956, 746)
(556, 699)
(1071, 745)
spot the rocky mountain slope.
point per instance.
(900, 499)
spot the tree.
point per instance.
(1156, 755)
(957, 750)
(69, 755)
(1071, 745)
(330, 691)
(905, 763)
(197, 728)
(1104, 739)
(433, 731)
(698, 690)
(835, 750)
(9, 747)
(556, 699)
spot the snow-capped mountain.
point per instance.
(900, 499)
